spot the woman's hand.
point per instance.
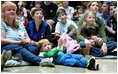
(25, 41)
(104, 48)
(110, 30)
(50, 22)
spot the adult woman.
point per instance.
(14, 36)
(38, 29)
(93, 6)
(111, 27)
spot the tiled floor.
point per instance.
(106, 66)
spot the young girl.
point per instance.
(60, 56)
(90, 29)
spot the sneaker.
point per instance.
(92, 65)
(6, 55)
(47, 62)
(17, 57)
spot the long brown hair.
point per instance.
(11, 5)
(89, 4)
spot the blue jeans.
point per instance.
(95, 51)
(71, 60)
(29, 53)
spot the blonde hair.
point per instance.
(85, 16)
(9, 4)
(87, 13)
(41, 42)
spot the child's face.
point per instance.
(90, 19)
(62, 17)
(46, 46)
(65, 4)
(38, 5)
(80, 10)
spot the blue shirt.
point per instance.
(105, 18)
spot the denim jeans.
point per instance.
(95, 51)
(77, 60)
(29, 53)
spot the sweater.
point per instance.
(100, 23)
(55, 52)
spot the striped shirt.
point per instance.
(13, 34)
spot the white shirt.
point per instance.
(63, 28)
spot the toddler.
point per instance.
(60, 56)
(77, 13)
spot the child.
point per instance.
(90, 29)
(22, 13)
(63, 24)
(60, 56)
(68, 9)
(37, 5)
(77, 13)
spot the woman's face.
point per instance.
(10, 13)
(94, 7)
(38, 15)
(113, 10)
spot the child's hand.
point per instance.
(64, 41)
(73, 31)
(94, 37)
(60, 43)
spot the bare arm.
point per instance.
(5, 41)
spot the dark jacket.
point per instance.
(112, 23)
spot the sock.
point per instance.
(86, 62)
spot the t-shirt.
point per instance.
(63, 28)
(13, 34)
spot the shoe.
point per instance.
(17, 57)
(47, 62)
(6, 55)
(92, 65)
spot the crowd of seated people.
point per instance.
(51, 19)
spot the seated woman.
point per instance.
(38, 29)
(15, 38)
(111, 27)
(106, 47)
